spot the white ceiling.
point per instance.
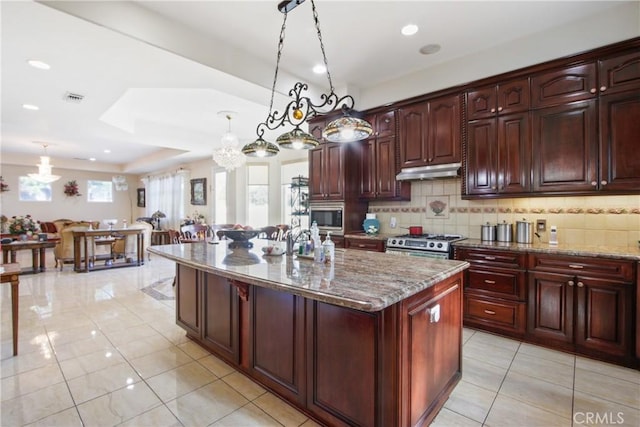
(155, 73)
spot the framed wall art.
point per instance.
(438, 207)
(141, 198)
(199, 191)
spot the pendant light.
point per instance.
(44, 169)
(301, 108)
(228, 155)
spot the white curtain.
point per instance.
(166, 193)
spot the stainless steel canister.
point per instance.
(488, 232)
(504, 232)
(524, 231)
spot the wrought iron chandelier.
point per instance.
(301, 109)
(229, 155)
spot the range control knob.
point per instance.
(400, 242)
(430, 244)
(439, 245)
(393, 242)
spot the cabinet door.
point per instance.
(619, 148)
(221, 332)
(385, 124)
(481, 157)
(414, 133)
(604, 321)
(188, 299)
(513, 96)
(386, 167)
(564, 85)
(565, 145)
(620, 73)
(514, 154)
(316, 127)
(444, 131)
(316, 174)
(334, 172)
(368, 169)
(550, 307)
(276, 344)
(481, 103)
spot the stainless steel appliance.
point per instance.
(427, 245)
(328, 216)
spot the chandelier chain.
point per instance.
(324, 55)
(280, 47)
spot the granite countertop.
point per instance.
(362, 280)
(614, 252)
(363, 235)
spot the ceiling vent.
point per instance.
(73, 97)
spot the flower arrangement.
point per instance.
(71, 189)
(3, 185)
(22, 225)
(195, 218)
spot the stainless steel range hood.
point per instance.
(449, 170)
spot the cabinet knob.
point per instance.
(570, 283)
(593, 90)
(490, 282)
(493, 110)
(430, 159)
(603, 88)
(493, 187)
(499, 108)
(594, 183)
(580, 284)
(387, 120)
(603, 182)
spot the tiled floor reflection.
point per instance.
(101, 349)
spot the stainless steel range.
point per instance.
(425, 245)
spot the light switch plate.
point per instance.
(541, 225)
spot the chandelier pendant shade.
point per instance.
(302, 109)
(44, 174)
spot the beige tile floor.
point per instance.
(96, 350)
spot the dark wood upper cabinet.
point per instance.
(620, 73)
(565, 148)
(504, 98)
(379, 161)
(564, 85)
(430, 132)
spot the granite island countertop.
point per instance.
(613, 252)
(362, 280)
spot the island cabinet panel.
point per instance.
(565, 148)
(276, 341)
(188, 299)
(221, 330)
(430, 320)
(342, 371)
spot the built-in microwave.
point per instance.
(328, 216)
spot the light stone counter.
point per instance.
(614, 252)
(362, 280)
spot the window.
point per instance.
(166, 193)
(287, 173)
(220, 197)
(33, 191)
(100, 191)
(258, 195)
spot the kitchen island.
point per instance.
(372, 339)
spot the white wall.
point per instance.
(62, 206)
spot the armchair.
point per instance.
(63, 251)
(127, 247)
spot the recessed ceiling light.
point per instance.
(319, 69)
(428, 49)
(409, 30)
(92, 159)
(30, 107)
(38, 64)
(107, 151)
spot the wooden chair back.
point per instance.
(174, 237)
(194, 233)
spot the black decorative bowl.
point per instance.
(240, 237)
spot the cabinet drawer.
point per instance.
(583, 266)
(502, 284)
(490, 257)
(364, 244)
(500, 314)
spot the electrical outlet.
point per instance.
(541, 225)
(393, 223)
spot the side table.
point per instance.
(160, 237)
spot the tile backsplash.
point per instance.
(590, 220)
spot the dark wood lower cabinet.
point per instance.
(343, 367)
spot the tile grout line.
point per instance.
(501, 383)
